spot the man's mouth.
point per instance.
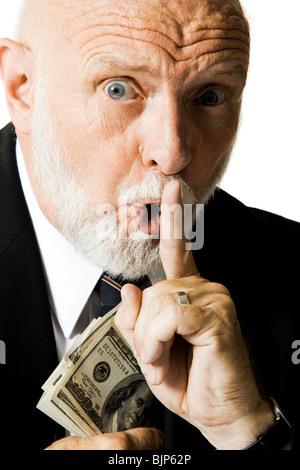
(145, 217)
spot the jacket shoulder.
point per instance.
(245, 241)
(222, 201)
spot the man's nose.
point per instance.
(166, 140)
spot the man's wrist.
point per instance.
(266, 429)
(244, 431)
(277, 437)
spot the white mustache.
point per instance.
(152, 188)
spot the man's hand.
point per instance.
(133, 439)
(193, 356)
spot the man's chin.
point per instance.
(130, 259)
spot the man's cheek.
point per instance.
(115, 121)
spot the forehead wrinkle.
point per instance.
(153, 34)
(166, 30)
(137, 15)
(166, 25)
(102, 33)
(177, 54)
(204, 33)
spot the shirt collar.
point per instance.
(71, 277)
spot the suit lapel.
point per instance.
(25, 321)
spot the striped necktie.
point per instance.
(109, 290)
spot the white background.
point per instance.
(265, 168)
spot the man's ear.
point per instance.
(16, 71)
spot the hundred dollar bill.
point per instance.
(98, 387)
(47, 404)
(78, 347)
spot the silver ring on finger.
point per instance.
(182, 298)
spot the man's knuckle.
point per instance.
(220, 289)
(225, 308)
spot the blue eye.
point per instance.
(213, 98)
(120, 91)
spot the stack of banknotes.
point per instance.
(98, 387)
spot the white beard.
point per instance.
(96, 236)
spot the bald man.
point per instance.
(118, 106)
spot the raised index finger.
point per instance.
(177, 261)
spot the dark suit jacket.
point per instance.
(255, 254)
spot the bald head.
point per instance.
(40, 20)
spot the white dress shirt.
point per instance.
(70, 277)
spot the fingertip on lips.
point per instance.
(172, 192)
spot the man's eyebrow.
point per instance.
(118, 63)
(236, 70)
(113, 62)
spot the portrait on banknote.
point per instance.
(127, 406)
